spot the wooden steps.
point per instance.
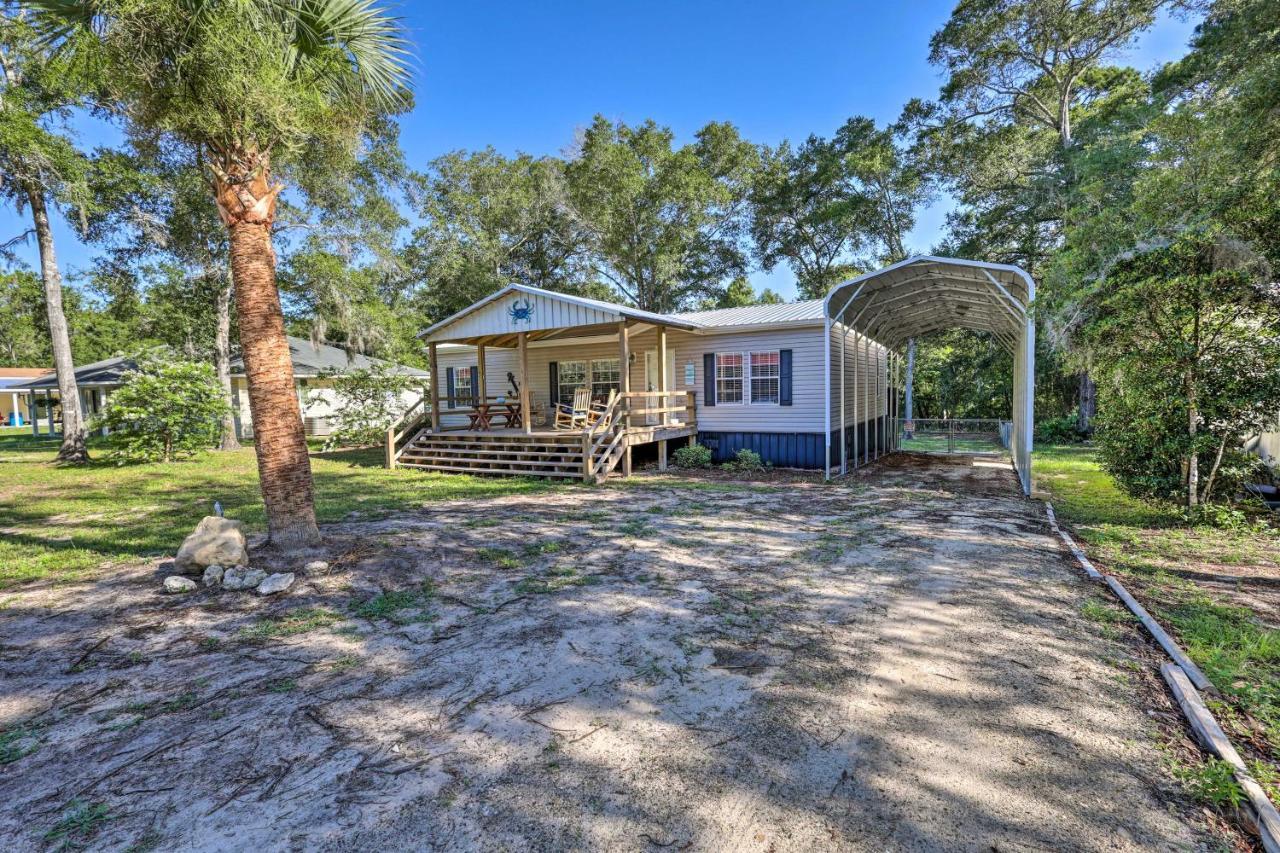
(504, 454)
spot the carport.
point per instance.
(925, 294)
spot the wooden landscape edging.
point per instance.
(1183, 677)
(1214, 739)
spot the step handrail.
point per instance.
(408, 423)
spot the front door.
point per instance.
(651, 381)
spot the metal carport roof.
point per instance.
(927, 293)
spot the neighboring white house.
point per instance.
(312, 364)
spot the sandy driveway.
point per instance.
(900, 663)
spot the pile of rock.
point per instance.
(218, 551)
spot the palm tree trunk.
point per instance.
(246, 202)
(222, 362)
(73, 449)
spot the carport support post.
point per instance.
(435, 387)
(857, 368)
(525, 414)
(31, 410)
(844, 456)
(826, 384)
(866, 405)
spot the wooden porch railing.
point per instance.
(404, 429)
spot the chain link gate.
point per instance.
(956, 435)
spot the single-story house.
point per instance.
(811, 384)
(15, 403)
(313, 364)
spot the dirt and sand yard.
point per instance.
(900, 662)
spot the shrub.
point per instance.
(746, 461)
(165, 408)
(693, 456)
(368, 401)
(1063, 430)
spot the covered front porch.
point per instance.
(574, 408)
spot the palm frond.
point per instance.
(372, 41)
(57, 20)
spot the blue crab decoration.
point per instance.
(521, 311)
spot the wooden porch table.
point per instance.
(482, 415)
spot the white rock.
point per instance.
(178, 584)
(277, 582)
(316, 566)
(242, 577)
(213, 577)
(216, 541)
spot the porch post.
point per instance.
(31, 412)
(14, 396)
(435, 387)
(663, 388)
(483, 391)
(624, 377)
(525, 414)
(663, 379)
(48, 400)
(102, 405)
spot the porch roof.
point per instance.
(499, 318)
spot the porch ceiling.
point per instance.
(927, 293)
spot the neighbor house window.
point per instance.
(765, 377)
(573, 375)
(729, 376)
(462, 385)
(605, 377)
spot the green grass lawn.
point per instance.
(1153, 548)
(62, 522)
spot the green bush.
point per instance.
(746, 461)
(165, 408)
(693, 456)
(1063, 430)
(368, 401)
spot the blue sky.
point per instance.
(524, 76)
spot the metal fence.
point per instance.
(956, 435)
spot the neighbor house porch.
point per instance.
(542, 384)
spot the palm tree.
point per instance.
(255, 87)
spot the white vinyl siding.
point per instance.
(864, 361)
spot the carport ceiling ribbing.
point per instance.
(925, 294)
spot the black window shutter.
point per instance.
(449, 386)
(476, 393)
(784, 377)
(708, 379)
(555, 383)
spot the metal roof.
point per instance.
(755, 315)
(927, 293)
